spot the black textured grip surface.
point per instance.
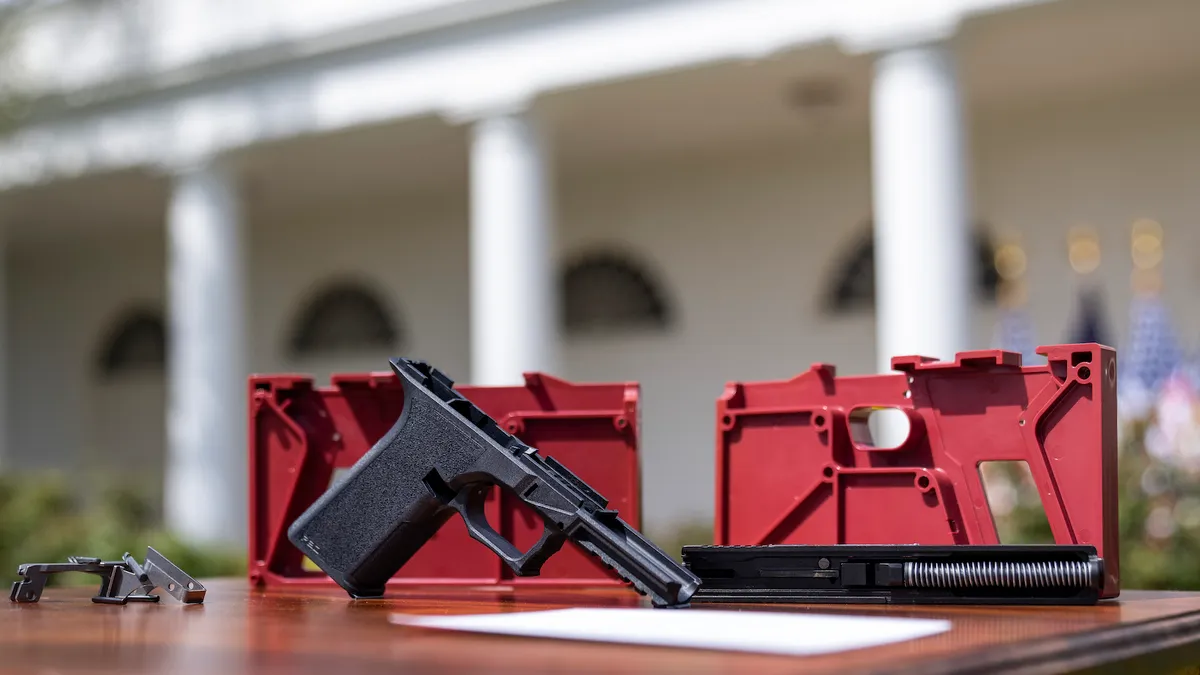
(364, 528)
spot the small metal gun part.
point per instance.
(120, 581)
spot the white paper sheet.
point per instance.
(765, 632)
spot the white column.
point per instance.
(514, 306)
(6, 459)
(923, 256)
(205, 489)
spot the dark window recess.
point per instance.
(136, 343)
(853, 286)
(607, 293)
(345, 318)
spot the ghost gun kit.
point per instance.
(900, 574)
(444, 455)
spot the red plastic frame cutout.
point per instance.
(794, 466)
(301, 434)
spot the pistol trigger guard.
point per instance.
(470, 503)
(550, 542)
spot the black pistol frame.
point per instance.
(442, 456)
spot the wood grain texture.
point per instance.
(240, 630)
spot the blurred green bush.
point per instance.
(42, 521)
(693, 534)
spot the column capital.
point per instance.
(521, 125)
(921, 23)
(177, 166)
(506, 104)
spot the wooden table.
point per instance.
(241, 630)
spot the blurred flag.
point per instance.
(1015, 333)
(1152, 357)
(1089, 324)
(1153, 353)
(1014, 330)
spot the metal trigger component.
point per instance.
(121, 581)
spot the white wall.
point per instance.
(68, 294)
(65, 297)
(1102, 164)
(744, 244)
(747, 244)
(412, 250)
(743, 247)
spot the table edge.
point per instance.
(1168, 641)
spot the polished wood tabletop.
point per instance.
(320, 630)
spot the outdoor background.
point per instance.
(708, 173)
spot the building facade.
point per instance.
(678, 193)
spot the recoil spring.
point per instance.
(1055, 574)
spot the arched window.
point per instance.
(344, 318)
(606, 291)
(853, 284)
(136, 343)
